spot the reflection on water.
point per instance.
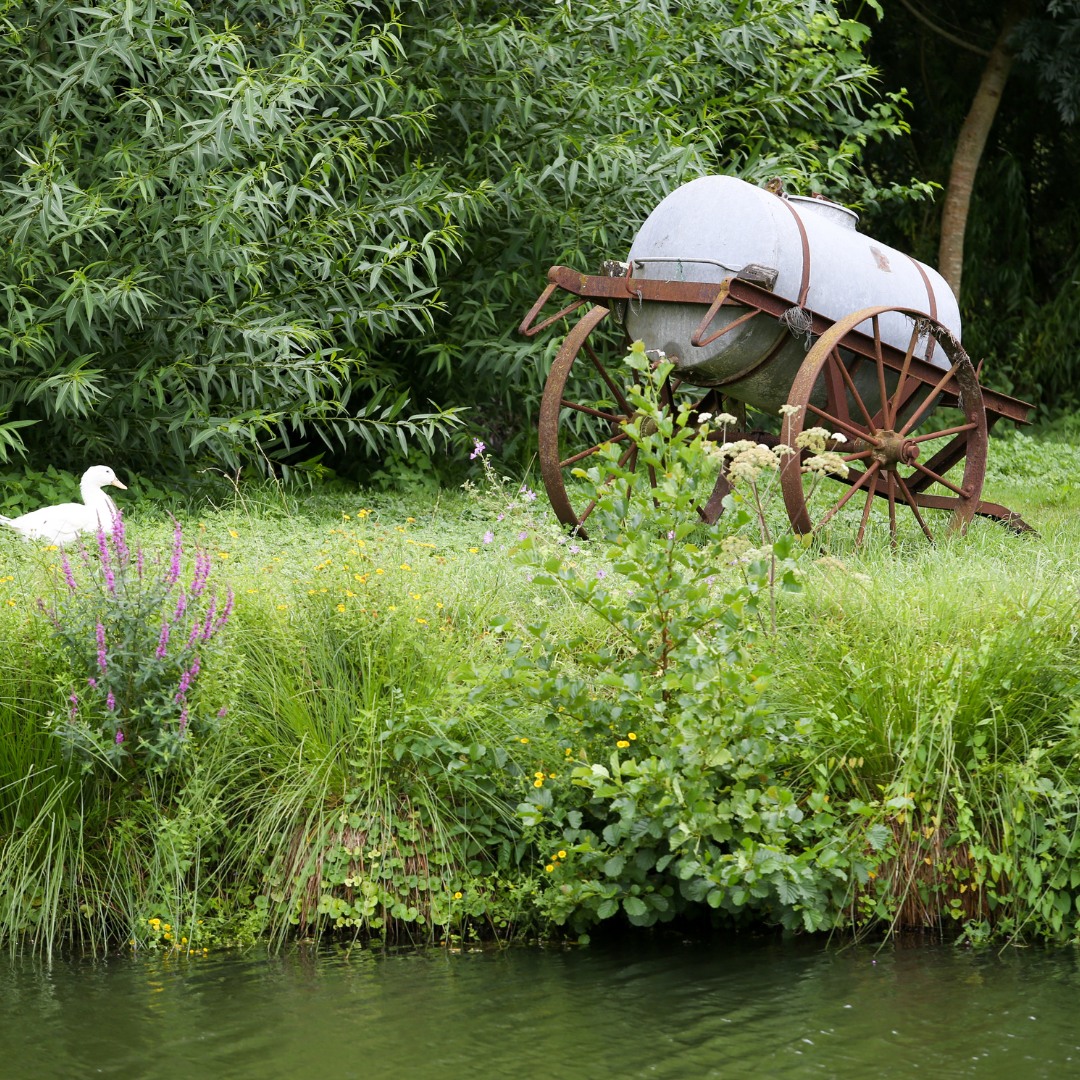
(663, 1009)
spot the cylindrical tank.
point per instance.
(716, 226)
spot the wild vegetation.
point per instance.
(292, 238)
(443, 719)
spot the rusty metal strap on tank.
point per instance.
(932, 298)
(804, 285)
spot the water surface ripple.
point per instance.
(666, 1009)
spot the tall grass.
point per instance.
(938, 691)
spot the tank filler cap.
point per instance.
(833, 211)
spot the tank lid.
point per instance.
(837, 214)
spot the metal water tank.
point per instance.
(806, 249)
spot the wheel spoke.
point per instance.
(944, 431)
(890, 479)
(863, 477)
(612, 385)
(612, 418)
(575, 458)
(879, 363)
(914, 508)
(929, 400)
(834, 358)
(861, 534)
(892, 410)
(940, 480)
(842, 425)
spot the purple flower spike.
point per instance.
(69, 577)
(208, 622)
(119, 539)
(226, 611)
(110, 702)
(119, 736)
(183, 721)
(106, 560)
(177, 553)
(202, 572)
(74, 699)
(187, 679)
(181, 606)
(163, 641)
(478, 449)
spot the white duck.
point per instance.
(65, 522)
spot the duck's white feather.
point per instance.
(66, 522)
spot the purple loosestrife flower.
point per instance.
(478, 449)
(119, 736)
(139, 562)
(181, 606)
(187, 679)
(102, 654)
(92, 683)
(208, 622)
(119, 539)
(177, 552)
(106, 561)
(74, 699)
(163, 641)
(202, 572)
(110, 702)
(221, 712)
(183, 721)
(226, 611)
(69, 577)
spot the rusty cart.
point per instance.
(760, 299)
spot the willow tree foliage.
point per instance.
(239, 231)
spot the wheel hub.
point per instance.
(890, 449)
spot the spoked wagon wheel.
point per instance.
(581, 381)
(882, 400)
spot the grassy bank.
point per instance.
(436, 720)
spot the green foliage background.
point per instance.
(245, 233)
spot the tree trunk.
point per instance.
(969, 148)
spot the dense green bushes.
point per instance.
(243, 233)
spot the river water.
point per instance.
(664, 1008)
